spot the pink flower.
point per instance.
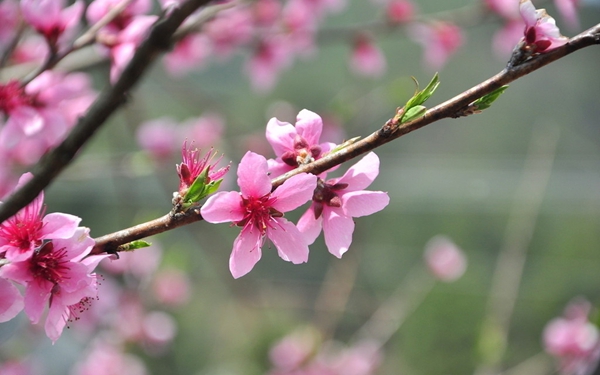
(9, 18)
(266, 12)
(337, 201)
(42, 112)
(230, 29)
(505, 39)
(400, 11)
(573, 340)
(445, 260)
(127, 40)
(505, 8)
(260, 214)
(11, 301)
(440, 40)
(568, 11)
(295, 145)
(189, 54)
(21, 234)
(367, 60)
(158, 137)
(172, 287)
(50, 18)
(193, 167)
(205, 131)
(59, 275)
(104, 358)
(270, 57)
(99, 8)
(541, 33)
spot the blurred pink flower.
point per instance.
(270, 57)
(141, 264)
(295, 349)
(126, 42)
(367, 59)
(205, 130)
(60, 275)
(541, 33)
(445, 260)
(439, 40)
(505, 8)
(337, 201)
(99, 8)
(230, 29)
(260, 214)
(172, 287)
(266, 12)
(9, 17)
(505, 39)
(42, 112)
(568, 11)
(189, 54)
(104, 358)
(299, 27)
(573, 340)
(11, 301)
(297, 144)
(159, 330)
(159, 137)
(51, 19)
(400, 11)
(24, 232)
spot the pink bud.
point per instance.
(367, 60)
(400, 11)
(444, 259)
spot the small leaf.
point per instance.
(196, 190)
(413, 113)
(421, 96)
(212, 187)
(486, 101)
(134, 245)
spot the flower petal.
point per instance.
(363, 203)
(309, 125)
(294, 192)
(280, 135)
(11, 301)
(309, 226)
(246, 252)
(361, 174)
(59, 225)
(56, 320)
(290, 243)
(338, 231)
(223, 207)
(253, 178)
(36, 296)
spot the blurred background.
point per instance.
(517, 188)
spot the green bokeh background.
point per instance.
(454, 177)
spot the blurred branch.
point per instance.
(105, 105)
(513, 254)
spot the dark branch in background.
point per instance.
(389, 132)
(111, 98)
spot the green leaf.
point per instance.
(421, 97)
(212, 187)
(413, 113)
(134, 245)
(343, 145)
(196, 190)
(486, 101)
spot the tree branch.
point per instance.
(111, 242)
(111, 98)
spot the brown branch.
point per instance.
(110, 242)
(105, 105)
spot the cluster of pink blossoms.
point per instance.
(259, 210)
(48, 256)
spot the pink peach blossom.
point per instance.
(541, 33)
(230, 29)
(260, 214)
(24, 232)
(57, 275)
(189, 54)
(9, 17)
(400, 11)
(271, 56)
(51, 19)
(439, 40)
(158, 137)
(573, 340)
(568, 11)
(337, 201)
(367, 59)
(297, 144)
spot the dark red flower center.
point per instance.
(326, 194)
(50, 264)
(259, 213)
(12, 96)
(302, 153)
